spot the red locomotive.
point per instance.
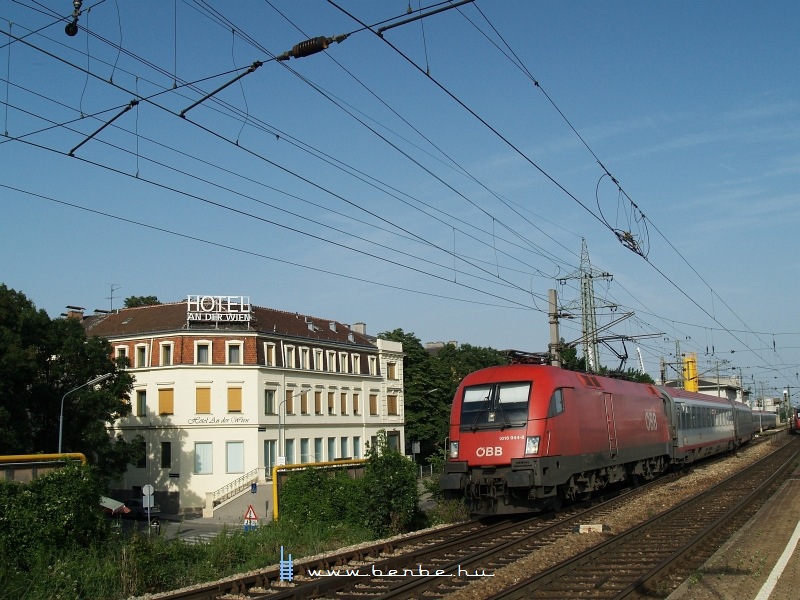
(527, 437)
(794, 420)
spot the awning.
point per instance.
(114, 507)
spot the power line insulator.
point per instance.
(312, 46)
(308, 47)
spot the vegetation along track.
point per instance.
(465, 548)
(650, 560)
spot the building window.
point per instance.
(391, 404)
(202, 401)
(166, 354)
(343, 448)
(331, 361)
(317, 402)
(141, 455)
(202, 353)
(202, 458)
(141, 403)
(288, 359)
(318, 450)
(290, 452)
(343, 362)
(318, 365)
(304, 358)
(166, 455)
(234, 457)
(234, 352)
(343, 403)
(331, 448)
(356, 405)
(141, 356)
(331, 403)
(355, 360)
(356, 446)
(234, 400)
(270, 456)
(122, 352)
(304, 402)
(166, 401)
(269, 354)
(304, 451)
(289, 402)
(269, 402)
(391, 370)
(373, 365)
(373, 404)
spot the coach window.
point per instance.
(556, 404)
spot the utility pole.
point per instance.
(555, 340)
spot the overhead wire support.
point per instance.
(249, 70)
(130, 105)
(311, 46)
(380, 30)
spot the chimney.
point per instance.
(360, 328)
(75, 312)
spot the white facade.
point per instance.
(217, 408)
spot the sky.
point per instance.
(439, 176)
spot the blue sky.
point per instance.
(438, 179)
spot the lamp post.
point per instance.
(97, 379)
(281, 450)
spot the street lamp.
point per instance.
(97, 379)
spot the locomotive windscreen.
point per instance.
(498, 405)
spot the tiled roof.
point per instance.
(162, 318)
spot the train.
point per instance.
(527, 438)
(763, 420)
(794, 420)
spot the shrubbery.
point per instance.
(384, 501)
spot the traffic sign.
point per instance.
(250, 519)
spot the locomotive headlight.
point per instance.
(532, 445)
(453, 449)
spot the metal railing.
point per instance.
(235, 487)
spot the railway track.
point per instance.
(652, 559)
(438, 561)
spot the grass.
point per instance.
(134, 565)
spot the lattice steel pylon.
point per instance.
(586, 275)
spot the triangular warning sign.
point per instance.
(250, 515)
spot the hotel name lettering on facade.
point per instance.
(218, 308)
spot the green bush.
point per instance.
(55, 512)
(391, 496)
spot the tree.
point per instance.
(41, 360)
(423, 385)
(137, 301)
(430, 382)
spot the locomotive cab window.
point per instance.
(498, 405)
(556, 404)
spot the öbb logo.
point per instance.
(489, 451)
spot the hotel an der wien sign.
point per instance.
(217, 309)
